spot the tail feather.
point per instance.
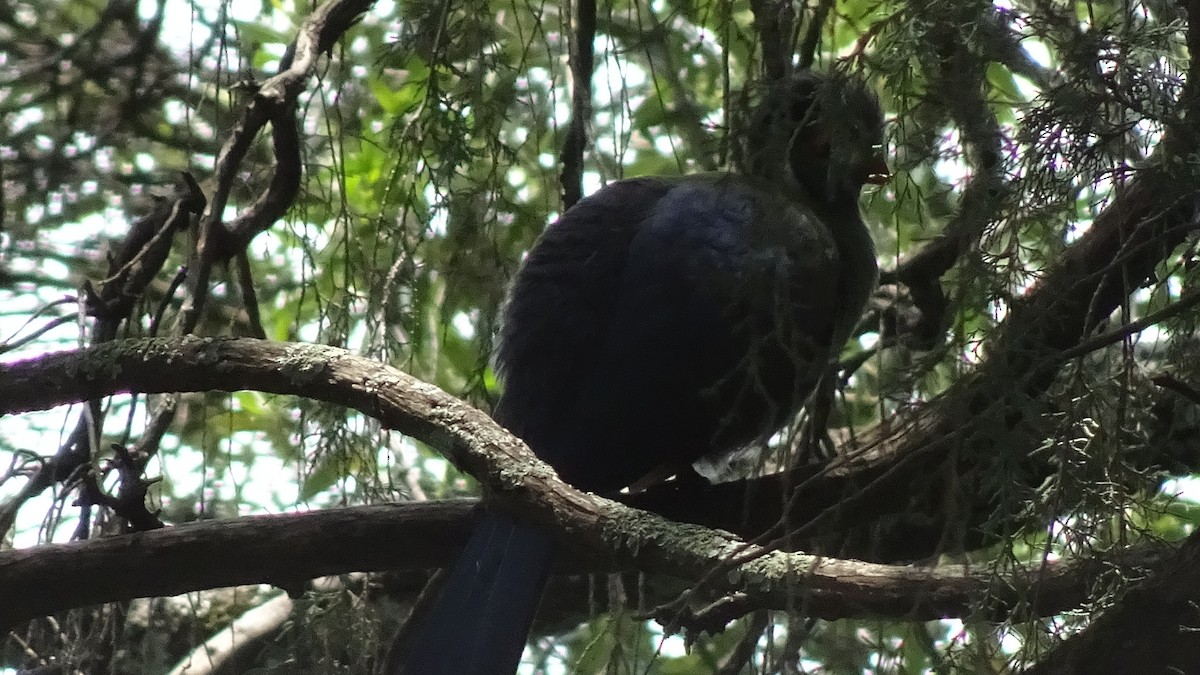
(480, 622)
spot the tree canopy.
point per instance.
(251, 262)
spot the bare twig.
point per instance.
(815, 23)
(1114, 336)
(249, 295)
(274, 102)
(582, 64)
(774, 21)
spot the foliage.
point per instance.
(431, 155)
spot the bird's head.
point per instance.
(824, 132)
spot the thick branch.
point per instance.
(287, 550)
(296, 548)
(1154, 628)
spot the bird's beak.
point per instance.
(877, 170)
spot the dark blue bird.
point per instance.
(661, 320)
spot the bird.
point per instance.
(662, 320)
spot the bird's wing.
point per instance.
(719, 325)
(562, 302)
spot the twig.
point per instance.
(47, 327)
(1178, 386)
(812, 33)
(773, 21)
(249, 296)
(582, 65)
(176, 281)
(274, 102)
(1113, 336)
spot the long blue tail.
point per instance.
(480, 623)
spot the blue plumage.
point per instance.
(661, 320)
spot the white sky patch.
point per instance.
(669, 646)
(42, 432)
(518, 178)
(35, 213)
(1010, 642)
(1037, 50)
(54, 269)
(951, 166)
(618, 88)
(385, 9)
(25, 119)
(175, 112)
(112, 223)
(665, 144)
(309, 332)
(437, 467)
(179, 25)
(613, 75)
(439, 216)
(1077, 229)
(1174, 286)
(1026, 88)
(1150, 132)
(562, 112)
(464, 325)
(1186, 488)
(591, 182)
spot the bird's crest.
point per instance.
(816, 119)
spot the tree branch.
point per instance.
(286, 549)
(774, 21)
(273, 102)
(1154, 628)
(583, 59)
